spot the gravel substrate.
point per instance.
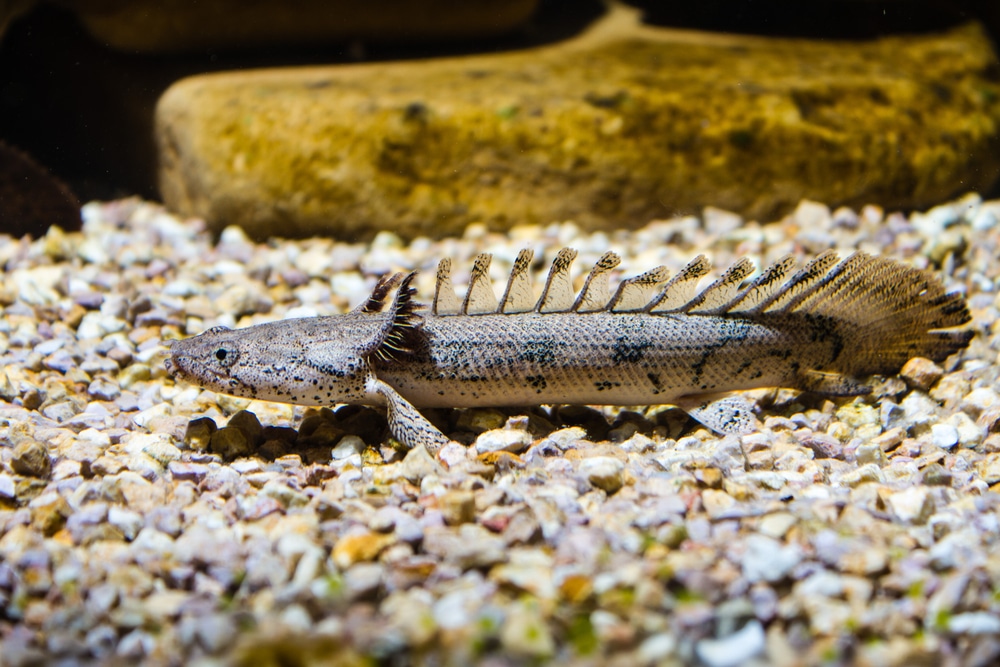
(143, 519)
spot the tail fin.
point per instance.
(885, 311)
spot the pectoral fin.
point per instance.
(408, 426)
(729, 415)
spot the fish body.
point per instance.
(653, 341)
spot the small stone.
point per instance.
(244, 299)
(103, 388)
(766, 559)
(720, 222)
(863, 475)
(467, 546)
(921, 373)
(974, 623)
(125, 520)
(248, 424)
(889, 440)
(230, 443)
(31, 458)
(49, 513)
(507, 440)
(133, 374)
(912, 505)
(604, 472)
(870, 452)
(863, 562)
(989, 468)
(198, 434)
(529, 570)
(525, 632)
(480, 420)
(656, 649)
(717, 502)
(777, 524)
(739, 648)
(7, 487)
(286, 496)
(936, 474)
(360, 548)
(349, 445)
(823, 445)
(184, 470)
(458, 507)
(216, 631)
(362, 580)
(944, 436)
(981, 401)
(418, 464)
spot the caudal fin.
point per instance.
(886, 312)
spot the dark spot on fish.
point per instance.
(627, 351)
(537, 382)
(540, 352)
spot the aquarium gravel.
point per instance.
(143, 519)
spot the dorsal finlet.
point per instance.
(596, 294)
(557, 296)
(679, 291)
(446, 302)
(801, 285)
(480, 299)
(519, 297)
(713, 299)
(763, 288)
(376, 300)
(634, 294)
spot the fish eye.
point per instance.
(225, 356)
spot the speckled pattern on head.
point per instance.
(653, 341)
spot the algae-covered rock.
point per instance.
(620, 125)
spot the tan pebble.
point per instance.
(777, 524)
(717, 502)
(515, 441)
(921, 373)
(989, 468)
(937, 475)
(857, 414)
(710, 477)
(912, 505)
(889, 440)
(863, 562)
(458, 507)
(989, 420)
(950, 389)
(31, 458)
(49, 513)
(360, 548)
(480, 420)
(870, 453)
(132, 374)
(862, 475)
(604, 472)
(105, 465)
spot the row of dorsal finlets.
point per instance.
(651, 292)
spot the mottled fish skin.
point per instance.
(823, 329)
(603, 358)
